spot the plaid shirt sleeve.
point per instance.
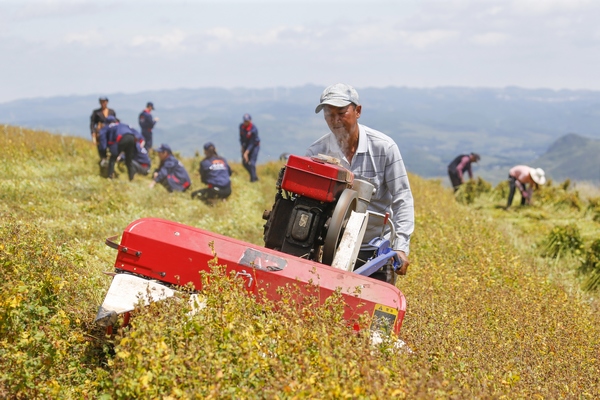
(396, 181)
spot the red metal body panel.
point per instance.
(316, 179)
(171, 252)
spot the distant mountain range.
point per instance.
(506, 126)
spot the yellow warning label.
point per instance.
(384, 317)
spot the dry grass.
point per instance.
(487, 316)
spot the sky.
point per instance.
(80, 47)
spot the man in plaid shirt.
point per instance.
(373, 157)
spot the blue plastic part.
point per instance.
(383, 255)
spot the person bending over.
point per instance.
(458, 167)
(118, 138)
(520, 176)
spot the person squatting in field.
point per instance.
(98, 118)
(215, 173)
(119, 138)
(170, 173)
(250, 144)
(458, 167)
(375, 158)
(520, 176)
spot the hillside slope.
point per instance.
(572, 157)
(483, 320)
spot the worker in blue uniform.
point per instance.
(215, 173)
(118, 138)
(170, 173)
(250, 143)
(147, 122)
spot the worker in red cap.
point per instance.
(147, 122)
(170, 173)
(215, 173)
(98, 118)
(250, 143)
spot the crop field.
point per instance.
(501, 303)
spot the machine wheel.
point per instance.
(345, 205)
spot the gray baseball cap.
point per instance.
(338, 95)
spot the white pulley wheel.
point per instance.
(343, 209)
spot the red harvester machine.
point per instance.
(312, 234)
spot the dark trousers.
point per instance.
(454, 179)
(512, 183)
(141, 169)
(214, 192)
(148, 139)
(126, 145)
(251, 164)
(385, 273)
(172, 184)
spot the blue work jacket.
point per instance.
(110, 136)
(214, 171)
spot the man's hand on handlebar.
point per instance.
(405, 263)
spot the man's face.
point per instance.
(103, 103)
(342, 121)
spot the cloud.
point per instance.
(88, 38)
(222, 37)
(290, 35)
(171, 41)
(489, 38)
(552, 43)
(551, 6)
(422, 39)
(50, 9)
(221, 34)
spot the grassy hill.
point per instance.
(572, 155)
(492, 310)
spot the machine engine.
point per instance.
(313, 203)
